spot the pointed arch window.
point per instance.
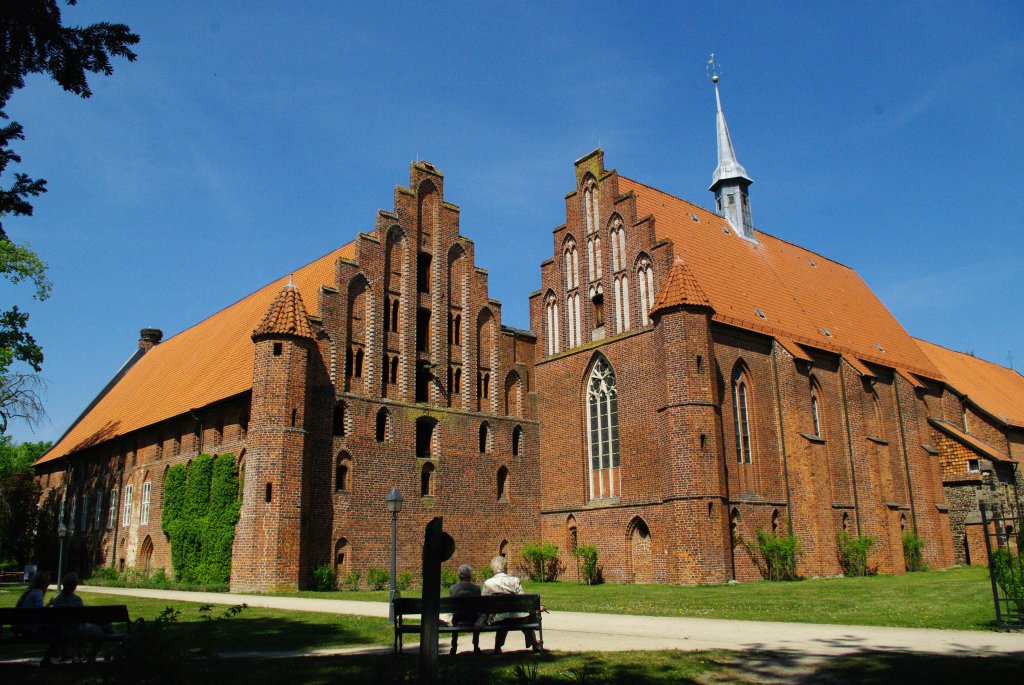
(621, 303)
(590, 205)
(645, 281)
(384, 427)
(741, 413)
(618, 246)
(603, 431)
(551, 308)
(572, 265)
(816, 409)
(598, 258)
(343, 473)
(339, 428)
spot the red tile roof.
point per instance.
(801, 293)
(208, 362)
(286, 316)
(997, 390)
(972, 442)
(680, 288)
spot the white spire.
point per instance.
(728, 166)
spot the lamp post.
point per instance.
(62, 532)
(394, 501)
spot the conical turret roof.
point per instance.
(286, 316)
(681, 289)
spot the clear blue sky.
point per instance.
(252, 137)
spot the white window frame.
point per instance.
(147, 490)
(977, 469)
(71, 518)
(126, 518)
(112, 511)
(85, 512)
(99, 510)
(602, 439)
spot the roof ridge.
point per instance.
(968, 355)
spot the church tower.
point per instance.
(268, 537)
(730, 182)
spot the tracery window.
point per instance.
(816, 408)
(618, 246)
(621, 303)
(603, 431)
(741, 413)
(645, 279)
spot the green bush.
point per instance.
(325, 578)
(589, 571)
(201, 509)
(541, 560)
(352, 580)
(404, 580)
(912, 556)
(448, 577)
(1009, 573)
(377, 578)
(486, 573)
(776, 555)
(853, 553)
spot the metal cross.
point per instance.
(714, 68)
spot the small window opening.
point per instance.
(422, 329)
(339, 420)
(423, 272)
(394, 315)
(485, 437)
(278, 348)
(973, 466)
(424, 376)
(711, 509)
(424, 437)
(427, 480)
(775, 522)
(393, 378)
(383, 419)
(359, 363)
(341, 479)
(295, 417)
(502, 481)
(703, 440)
(517, 439)
(700, 364)
(268, 495)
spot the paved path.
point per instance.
(572, 631)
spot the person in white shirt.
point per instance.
(503, 584)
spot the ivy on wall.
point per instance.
(201, 505)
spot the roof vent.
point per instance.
(825, 331)
(694, 217)
(879, 346)
(811, 262)
(760, 313)
(725, 229)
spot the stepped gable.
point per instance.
(210, 361)
(680, 288)
(286, 316)
(800, 293)
(995, 389)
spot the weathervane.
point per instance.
(714, 68)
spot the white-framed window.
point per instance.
(618, 247)
(112, 510)
(147, 489)
(590, 206)
(71, 518)
(974, 466)
(572, 265)
(85, 512)
(551, 308)
(126, 519)
(645, 280)
(599, 257)
(99, 510)
(741, 413)
(816, 408)
(603, 431)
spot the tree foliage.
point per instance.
(33, 40)
(19, 499)
(201, 508)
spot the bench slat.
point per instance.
(491, 604)
(110, 613)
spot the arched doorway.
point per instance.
(146, 555)
(639, 537)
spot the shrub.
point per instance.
(912, 556)
(404, 580)
(448, 577)
(325, 578)
(104, 573)
(377, 578)
(486, 573)
(352, 580)
(1009, 574)
(542, 561)
(853, 553)
(776, 555)
(588, 555)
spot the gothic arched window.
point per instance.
(645, 279)
(741, 412)
(551, 308)
(816, 409)
(603, 431)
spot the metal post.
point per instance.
(62, 532)
(991, 563)
(394, 567)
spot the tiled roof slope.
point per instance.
(972, 442)
(286, 316)
(799, 291)
(208, 362)
(996, 389)
(680, 288)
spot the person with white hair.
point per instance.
(503, 584)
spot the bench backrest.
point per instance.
(110, 613)
(491, 604)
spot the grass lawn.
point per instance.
(957, 598)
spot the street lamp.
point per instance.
(62, 532)
(394, 501)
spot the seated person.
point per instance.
(32, 598)
(465, 588)
(503, 584)
(85, 632)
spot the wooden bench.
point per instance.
(491, 604)
(58, 622)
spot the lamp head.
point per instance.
(62, 530)
(394, 500)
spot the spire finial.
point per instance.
(291, 282)
(714, 68)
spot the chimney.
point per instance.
(148, 337)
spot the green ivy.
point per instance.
(201, 509)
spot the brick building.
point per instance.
(688, 380)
